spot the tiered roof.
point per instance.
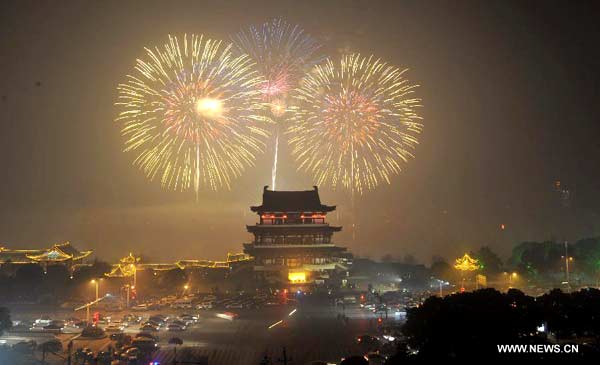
(56, 253)
(291, 201)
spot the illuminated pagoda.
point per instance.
(58, 254)
(292, 241)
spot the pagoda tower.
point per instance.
(293, 243)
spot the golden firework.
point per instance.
(355, 123)
(193, 113)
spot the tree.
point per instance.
(409, 259)
(387, 258)
(28, 281)
(538, 260)
(469, 324)
(491, 264)
(587, 254)
(442, 270)
(96, 270)
(5, 322)
(171, 279)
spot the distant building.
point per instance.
(58, 254)
(293, 242)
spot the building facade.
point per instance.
(293, 243)
(58, 254)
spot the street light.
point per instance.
(185, 288)
(97, 283)
(128, 287)
(442, 283)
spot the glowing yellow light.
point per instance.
(278, 108)
(185, 287)
(297, 277)
(514, 274)
(466, 263)
(93, 281)
(209, 107)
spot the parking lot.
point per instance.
(245, 337)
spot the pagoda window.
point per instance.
(312, 218)
(269, 219)
(319, 260)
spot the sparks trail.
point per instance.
(274, 168)
(283, 53)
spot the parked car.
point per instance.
(188, 318)
(146, 335)
(234, 305)
(149, 327)
(159, 319)
(113, 328)
(131, 354)
(132, 318)
(182, 303)
(206, 305)
(145, 344)
(173, 327)
(140, 308)
(119, 323)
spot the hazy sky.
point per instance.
(510, 93)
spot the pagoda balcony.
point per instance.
(293, 227)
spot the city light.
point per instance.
(297, 277)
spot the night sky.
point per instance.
(511, 102)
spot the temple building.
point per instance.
(293, 242)
(129, 265)
(58, 254)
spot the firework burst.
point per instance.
(355, 123)
(283, 54)
(193, 113)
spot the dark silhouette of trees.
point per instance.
(472, 324)
(491, 264)
(28, 282)
(545, 260)
(94, 271)
(409, 259)
(172, 279)
(575, 314)
(460, 325)
(442, 270)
